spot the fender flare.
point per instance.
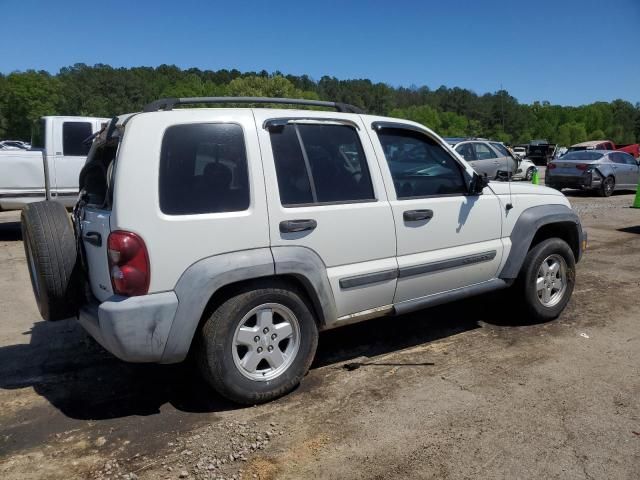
(204, 278)
(525, 229)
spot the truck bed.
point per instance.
(21, 178)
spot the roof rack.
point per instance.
(169, 103)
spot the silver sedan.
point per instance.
(603, 171)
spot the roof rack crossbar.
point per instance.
(169, 103)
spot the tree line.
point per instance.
(103, 91)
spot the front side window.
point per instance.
(318, 164)
(483, 152)
(501, 148)
(73, 136)
(203, 169)
(419, 166)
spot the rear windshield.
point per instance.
(582, 155)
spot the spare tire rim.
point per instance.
(551, 281)
(266, 342)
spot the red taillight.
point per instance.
(128, 264)
(582, 166)
(551, 166)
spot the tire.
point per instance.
(607, 187)
(554, 186)
(221, 353)
(529, 175)
(526, 286)
(50, 248)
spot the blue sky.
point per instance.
(565, 51)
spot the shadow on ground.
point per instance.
(10, 232)
(68, 368)
(635, 229)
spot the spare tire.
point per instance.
(52, 258)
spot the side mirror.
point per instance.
(477, 184)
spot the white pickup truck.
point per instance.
(50, 169)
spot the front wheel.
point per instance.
(258, 344)
(546, 280)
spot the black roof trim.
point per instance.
(169, 103)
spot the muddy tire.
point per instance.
(258, 344)
(546, 280)
(50, 248)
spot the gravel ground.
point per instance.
(456, 392)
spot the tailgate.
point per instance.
(95, 229)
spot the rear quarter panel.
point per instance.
(174, 242)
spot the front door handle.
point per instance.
(416, 215)
(94, 238)
(292, 226)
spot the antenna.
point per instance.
(509, 205)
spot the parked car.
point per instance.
(520, 152)
(237, 234)
(486, 157)
(49, 171)
(603, 171)
(541, 153)
(630, 148)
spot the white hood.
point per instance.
(522, 188)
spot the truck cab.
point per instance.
(50, 168)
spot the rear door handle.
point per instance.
(416, 215)
(94, 238)
(292, 226)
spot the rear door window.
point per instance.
(319, 164)
(203, 169)
(73, 136)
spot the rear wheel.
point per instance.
(546, 280)
(607, 187)
(50, 248)
(258, 344)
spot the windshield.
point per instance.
(582, 155)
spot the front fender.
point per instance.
(526, 227)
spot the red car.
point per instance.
(631, 148)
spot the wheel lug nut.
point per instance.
(256, 339)
(270, 348)
(273, 336)
(259, 349)
(265, 330)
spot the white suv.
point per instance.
(243, 232)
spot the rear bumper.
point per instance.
(134, 329)
(588, 180)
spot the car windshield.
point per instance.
(582, 155)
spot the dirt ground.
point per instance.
(462, 391)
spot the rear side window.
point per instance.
(203, 169)
(73, 136)
(318, 164)
(419, 166)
